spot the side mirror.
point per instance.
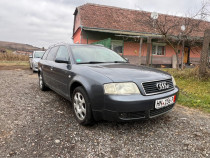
(30, 56)
(127, 60)
(61, 60)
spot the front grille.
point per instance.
(160, 111)
(151, 88)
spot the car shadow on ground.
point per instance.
(156, 122)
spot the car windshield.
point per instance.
(95, 54)
(38, 54)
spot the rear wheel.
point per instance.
(42, 84)
(81, 107)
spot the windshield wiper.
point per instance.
(91, 62)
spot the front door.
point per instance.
(186, 55)
(62, 71)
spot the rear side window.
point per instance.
(52, 53)
(62, 53)
(45, 54)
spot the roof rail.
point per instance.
(56, 44)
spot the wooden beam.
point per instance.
(149, 41)
(140, 49)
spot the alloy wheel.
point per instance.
(79, 106)
(40, 81)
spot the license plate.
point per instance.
(164, 102)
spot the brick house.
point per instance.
(120, 28)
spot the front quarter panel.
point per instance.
(92, 83)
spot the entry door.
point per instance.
(186, 54)
(62, 71)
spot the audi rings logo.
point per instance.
(162, 85)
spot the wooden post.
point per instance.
(204, 54)
(182, 56)
(140, 49)
(148, 50)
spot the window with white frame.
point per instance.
(158, 49)
(117, 46)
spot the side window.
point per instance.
(62, 53)
(52, 53)
(45, 54)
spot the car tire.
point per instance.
(42, 84)
(82, 107)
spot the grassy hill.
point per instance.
(17, 46)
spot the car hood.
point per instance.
(128, 72)
(36, 59)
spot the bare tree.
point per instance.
(170, 29)
(204, 54)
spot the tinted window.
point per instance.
(45, 54)
(52, 53)
(84, 54)
(62, 53)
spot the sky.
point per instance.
(45, 22)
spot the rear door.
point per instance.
(47, 67)
(62, 71)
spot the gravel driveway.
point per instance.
(41, 124)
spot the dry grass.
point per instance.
(188, 73)
(14, 63)
(194, 90)
(13, 57)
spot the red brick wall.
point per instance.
(132, 49)
(77, 35)
(77, 22)
(84, 41)
(195, 52)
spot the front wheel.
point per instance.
(81, 107)
(42, 84)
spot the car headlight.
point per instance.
(121, 88)
(173, 80)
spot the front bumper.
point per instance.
(35, 67)
(135, 107)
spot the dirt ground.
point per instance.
(41, 124)
(14, 67)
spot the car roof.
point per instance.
(69, 44)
